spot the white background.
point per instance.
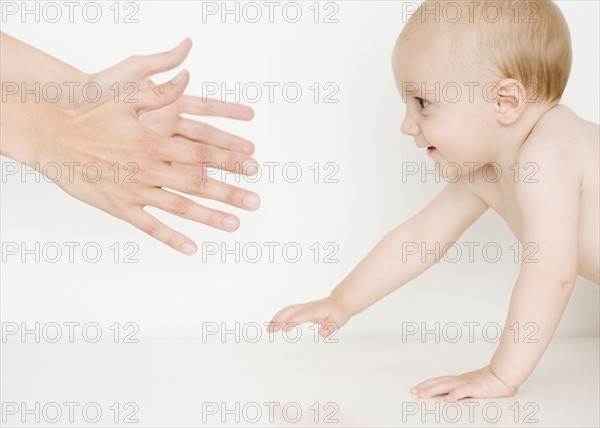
(168, 294)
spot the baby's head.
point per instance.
(477, 75)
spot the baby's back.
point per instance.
(583, 142)
(580, 141)
(585, 139)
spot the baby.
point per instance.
(519, 151)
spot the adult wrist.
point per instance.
(29, 129)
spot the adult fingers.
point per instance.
(205, 155)
(158, 96)
(210, 135)
(188, 209)
(205, 187)
(164, 61)
(150, 225)
(203, 106)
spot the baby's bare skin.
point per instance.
(553, 204)
(519, 152)
(581, 138)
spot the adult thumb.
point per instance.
(162, 95)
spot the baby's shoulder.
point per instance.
(562, 140)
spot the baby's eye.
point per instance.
(421, 101)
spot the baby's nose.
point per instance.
(409, 127)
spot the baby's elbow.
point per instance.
(567, 283)
(562, 282)
(568, 276)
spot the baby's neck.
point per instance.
(522, 130)
(536, 114)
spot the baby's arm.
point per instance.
(549, 212)
(382, 271)
(550, 215)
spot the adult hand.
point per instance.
(138, 165)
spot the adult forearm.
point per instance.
(25, 68)
(25, 128)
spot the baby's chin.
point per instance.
(452, 171)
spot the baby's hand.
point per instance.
(481, 383)
(328, 312)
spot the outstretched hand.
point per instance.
(329, 313)
(137, 165)
(134, 74)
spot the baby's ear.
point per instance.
(510, 101)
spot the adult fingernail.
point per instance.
(178, 78)
(251, 202)
(230, 223)
(188, 249)
(250, 167)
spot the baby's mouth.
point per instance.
(430, 149)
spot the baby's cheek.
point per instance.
(449, 139)
(442, 133)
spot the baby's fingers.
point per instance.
(463, 391)
(277, 321)
(430, 382)
(289, 317)
(328, 327)
(302, 314)
(443, 387)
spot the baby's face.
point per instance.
(445, 108)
